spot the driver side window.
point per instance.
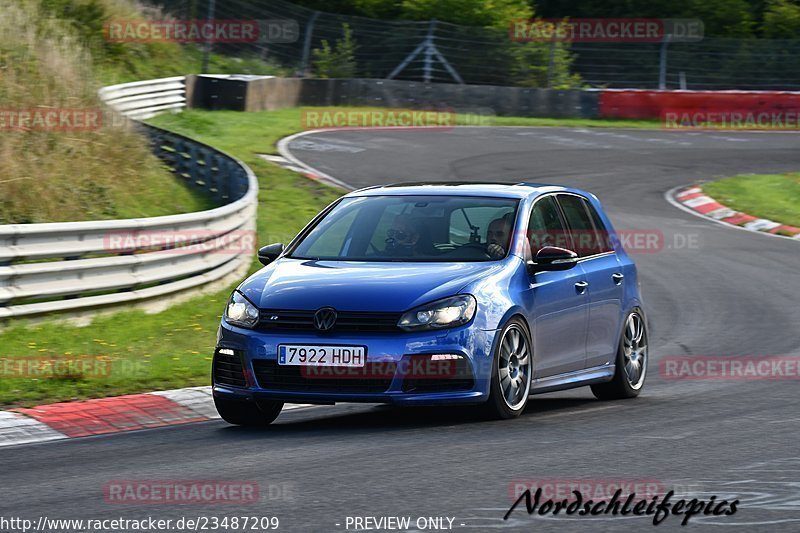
(546, 227)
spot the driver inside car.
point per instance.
(497, 237)
(402, 237)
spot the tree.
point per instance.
(337, 61)
(781, 20)
(486, 13)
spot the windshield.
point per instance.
(412, 228)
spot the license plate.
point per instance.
(327, 355)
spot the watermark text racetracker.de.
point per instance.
(67, 365)
(606, 30)
(730, 368)
(645, 241)
(195, 492)
(56, 119)
(181, 241)
(439, 119)
(720, 119)
(437, 366)
(273, 31)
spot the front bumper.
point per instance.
(257, 352)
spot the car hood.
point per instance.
(358, 286)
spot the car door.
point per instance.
(603, 274)
(556, 301)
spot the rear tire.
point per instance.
(512, 367)
(631, 362)
(250, 414)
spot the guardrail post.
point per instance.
(212, 174)
(196, 165)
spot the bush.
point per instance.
(337, 61)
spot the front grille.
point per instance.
(356, 321)
(446, 376)
(373, 377)
(228, 369)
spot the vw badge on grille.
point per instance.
(325, 318)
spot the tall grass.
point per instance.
(59, 176)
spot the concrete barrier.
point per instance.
(269, 93)
(643, 105)
(277, 93)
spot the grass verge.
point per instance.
(772, 196)
(54, 56)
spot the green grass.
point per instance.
(53, 54)
(166, 59)
(173, 348)
(772, 196)
(576, 122)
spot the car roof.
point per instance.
(516, 189)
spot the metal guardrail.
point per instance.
(70, 266)
(145, 99)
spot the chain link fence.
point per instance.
(436, 51)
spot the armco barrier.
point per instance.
(58, 267)
(144, 99)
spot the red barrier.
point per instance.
(641, 104)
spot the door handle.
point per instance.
(618, 277)
(581, 286)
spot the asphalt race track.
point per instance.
(710, 289)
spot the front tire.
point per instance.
(512, 368)
(631, 362)
(250, 414)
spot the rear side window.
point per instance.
(584, 237)
(603, 237)
(546, 227)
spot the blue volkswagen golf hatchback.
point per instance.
(450, 293)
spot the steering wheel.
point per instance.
(476, 246)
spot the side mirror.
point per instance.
(552, 258)
(270, 253)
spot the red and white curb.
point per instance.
(694, 200)
(109, 415)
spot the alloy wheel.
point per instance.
(514, 367)
(634, 347)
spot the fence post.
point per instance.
(429, 51)
(304, 69)
(207, 48)
(662, 64)
(552, 64)
(429, 48)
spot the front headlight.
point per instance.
(447, 313)
(240, 312)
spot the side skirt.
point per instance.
(569, 380)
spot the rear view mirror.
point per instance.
(553, 258)
(268, 254)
